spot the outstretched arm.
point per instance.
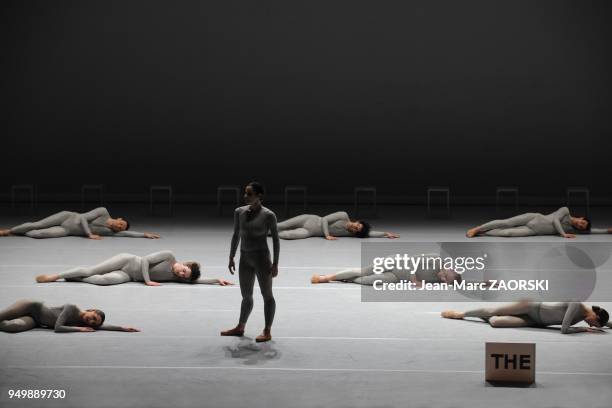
(212, 281)
(111, 327)
(130, 234)
(601, 230)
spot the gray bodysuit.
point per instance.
(66, 223)
(156, 267)
(251, 231)
(26, 314)
(310, 225)
(528, 224)
(365, 276)
(541, 314)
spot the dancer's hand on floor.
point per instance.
(594, 330)
(151, 235)
(391, 235)
(129, 329)
(94, 236)
(330, 238)
(152, 283)
(223, 282)
(274, 270)
(231, 266)
(87, 329)
(569, 236)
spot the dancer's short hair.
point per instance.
(127, 224)
(602, 315)
(588, 227)
(195, 271)
(365, 229)
(257, 187)
(100, 314)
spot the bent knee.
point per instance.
(34, 234)
(496, 321)
(16, 325)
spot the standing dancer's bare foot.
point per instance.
(264, 336)
(237, 331)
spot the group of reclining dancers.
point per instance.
(253, 223)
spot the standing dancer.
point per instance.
(252, 223)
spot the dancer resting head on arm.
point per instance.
(540, 314)
(25, 315)
(559, 222)
(151, 269)
(330, 227)
(366, 276)
(92, 224)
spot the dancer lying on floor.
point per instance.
(331, 226)
(560, 222)
(92, 224)
(157, 267)
(540, 314)
(430, 272)
(27, 314)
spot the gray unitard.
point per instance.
(66, 223)
(365, 276)
(524, 225)
(122, 268)
(539, 314)
(251, 231)
(309, 225)
(26, 314)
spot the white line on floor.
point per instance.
(364, 370)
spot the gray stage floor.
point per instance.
(329, 348)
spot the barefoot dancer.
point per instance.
(331, 226)
(27, 314)
(251, 226)
(153, 268)
(426, 272)
(560, 222)
(91, 224)
(540, 314)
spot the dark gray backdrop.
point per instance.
(332, 94)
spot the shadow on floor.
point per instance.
(251, 352)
